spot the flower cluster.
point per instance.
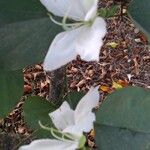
(70, 124)
(84, 37)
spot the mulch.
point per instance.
(124, 59)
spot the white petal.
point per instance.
(92, 10)
(86, 104)
(61, 51)
(57, 7)
(47, 144)
(63, 116)
(75, 9)
(90, 40)
(85, 125)
(74, 129)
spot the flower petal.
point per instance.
(74, 9)
(61, 51)
(85, 125)
(74, 130)
(63, 116)
(90, 40)
(92, 9)
(85, 106)
(47, 144)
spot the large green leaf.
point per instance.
(111, 138)
(123, 119)
(36, 109)
(73, 98)
(11, 90)
(15, 11)
(127, 108)
(139, 10)
(25, 32)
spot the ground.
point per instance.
(124, 60)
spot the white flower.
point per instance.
(48, 144)
(79, 120)
(85, 40)
(70, 122)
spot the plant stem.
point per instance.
(57, 86)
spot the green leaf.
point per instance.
(14, 11)
(139, 11)
(25, 32)
(36, 109)
(127, 108)
(111, 138)
(11, 90)
(73, 98)
(108, 12)
(123, 120)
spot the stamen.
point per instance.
(44, 127)
(54, 21)
(54, 133)
(66, 26)
(64, 20)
